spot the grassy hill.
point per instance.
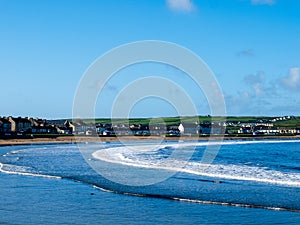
(276, 121)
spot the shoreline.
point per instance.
(79, 139)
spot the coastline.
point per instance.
(78, 139)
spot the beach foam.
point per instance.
(18, 170)
(135, 156)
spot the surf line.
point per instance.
(237, 205)
(197, 201)
(26, 174)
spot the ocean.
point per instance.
(186, 182)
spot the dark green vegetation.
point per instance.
(164, 120)
(292, 123)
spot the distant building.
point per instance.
(265, 129)
(189, 128)
(62, 126)
(245, 130)
(5, 125)
(283, 130)
(205, 128)
(40, 126)
(19, 124)
(214, 129)
(157, 129)
(80, 127)
(77, 126)
(181, 129)
(173, 131)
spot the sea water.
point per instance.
(248, 182)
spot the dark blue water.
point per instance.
(248, 183)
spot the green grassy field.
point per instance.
(293, 122)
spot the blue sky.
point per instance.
(252, 46)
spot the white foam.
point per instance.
(12, 153)
(25, 173)
(234, 204)
(132, 157)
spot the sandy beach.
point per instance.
(75, 139)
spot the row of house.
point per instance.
(267, 130)
(19, 126)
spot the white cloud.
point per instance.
(256, 82)
(181, 5)
(244, 103)
(292, 80)
(263, 2)
(263, 95)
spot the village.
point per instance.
(24, 127)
